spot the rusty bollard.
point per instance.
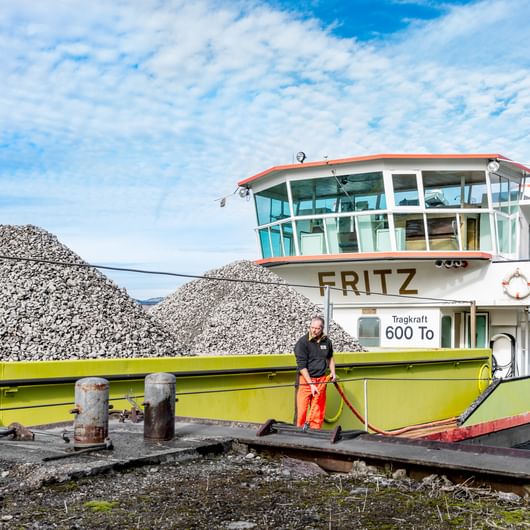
(91, 423)
(159, 407)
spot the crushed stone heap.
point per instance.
(53, 312)
(227, 317)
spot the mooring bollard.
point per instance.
(159, 407)
(91, 423)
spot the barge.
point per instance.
(424, 258)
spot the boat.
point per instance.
(424, 258)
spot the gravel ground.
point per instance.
(213, 317)
(240, 490)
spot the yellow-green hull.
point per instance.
(401, 388)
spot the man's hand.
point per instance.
(314, 390)
(332, 374)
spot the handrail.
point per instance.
(238, 371)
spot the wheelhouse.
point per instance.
(388, 204)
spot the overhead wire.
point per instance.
(218, 278)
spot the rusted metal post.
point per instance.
(366, 405)
(327, 309)
(159, 407)
(91, 423)
(473, 324)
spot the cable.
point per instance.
(61, 404)
(352, 202)
(161, 273)
(217, 278)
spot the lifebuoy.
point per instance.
(516, 285)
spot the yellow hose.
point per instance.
(337, 416)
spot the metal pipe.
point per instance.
(473, 324)
(93, 449)
(366, 405)
(524, 361)
(159, 407)
(327, 309)
(91, 423)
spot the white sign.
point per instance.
(410, 328)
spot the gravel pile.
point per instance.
(52, 312)
(228, 317)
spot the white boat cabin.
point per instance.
(411, 247)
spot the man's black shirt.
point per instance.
(313, 354)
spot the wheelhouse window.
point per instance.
(277, 240)
(410, 231)
(443, 232)
(505, 195)
(455, 189)
(342, 234)
(373, 232)
(265, 243)
(311, 238)
(272, 204)
(405, 189)
(345, 193)
(287, 239)
(505, 234)
(475, 231)
(364, 191)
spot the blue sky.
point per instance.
(122, 122)
(367, 19)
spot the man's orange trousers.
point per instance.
(316, 404)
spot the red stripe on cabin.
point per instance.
(369, 158)
(369, 256)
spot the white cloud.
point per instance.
(485, 34)
(124, 121)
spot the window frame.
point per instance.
(419, 187)
(375, 338)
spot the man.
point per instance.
(314, 355)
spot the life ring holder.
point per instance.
(518, 289)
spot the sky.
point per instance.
(122, 123)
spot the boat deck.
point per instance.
(502, 469)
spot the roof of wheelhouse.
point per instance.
(351, 160)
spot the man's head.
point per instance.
(316, 327)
